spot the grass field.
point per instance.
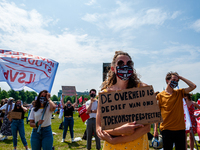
(79, 128)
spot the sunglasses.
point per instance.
(121, 63)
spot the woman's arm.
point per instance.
(128, 138)
(35, 124)
(62, 101)
(75, 101)
(52, 105)
(24, 108)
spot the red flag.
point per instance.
(80, 99)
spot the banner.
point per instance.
(196, 113)
(188, 123)
(69, 90)
(21, 69)
(82, 112)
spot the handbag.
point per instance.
(61, 125)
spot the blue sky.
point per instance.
(160, 36)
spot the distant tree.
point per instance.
(4, 94)
(30, 97)
(14, 94)
(23, 96)
(54, 98)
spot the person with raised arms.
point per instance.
(129, 136)
(68, 117)
(171, 106)
(44, 139)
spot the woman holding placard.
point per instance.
(43, 139)
(18, 125)
(68, 117)
(122, 76)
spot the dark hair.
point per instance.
(169, 75)
(93, 90)
(37, 102)
(189, 96)
(15, 107)
(112, 78)
(2, 102)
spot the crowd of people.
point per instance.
(129, 136)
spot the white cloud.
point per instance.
(91, 2)
(196, 25)
(126, 17)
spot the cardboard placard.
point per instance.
(129, 105)
(15, 115)
(69, 90)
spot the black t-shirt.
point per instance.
(20, 110)
(68, 111)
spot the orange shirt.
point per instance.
(172, 110)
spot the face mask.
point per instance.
(124, 72)
(92, 95)
(42, 100)
(18, 105)
(173, 84)
(68, 105)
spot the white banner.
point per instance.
(186, 116)
(21, 69)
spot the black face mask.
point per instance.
(18, 105)
(92, 95)
(124, 72)
(43, 100)
(173, 84)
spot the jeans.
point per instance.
(91, 128)
(18, 125)
(43, 140)
(68, 122)
(170, 137)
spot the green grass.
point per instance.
(79, 128)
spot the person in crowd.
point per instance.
(1, 112)
(171, 106)
(29, 110)
(91, 106)
(191, 108)
(44, 139)
(130, 135)
(6, 126)
(68, 117)
(17, 125)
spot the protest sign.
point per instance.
(82, 112)
(69, 90)
(15, 115)
(129, 105)
(20, 69)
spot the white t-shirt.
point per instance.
(4, 106)
(94, 107)
(36, 116)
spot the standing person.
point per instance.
(68, 118)
(91, 106)
(6, 126)
(191, 108)
(43, 140)
(1, 112)
(18, 125)
(129, 136)
(171, 106)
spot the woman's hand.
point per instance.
(129, 128)
(48, 96)
(40, 122)
(104, 136)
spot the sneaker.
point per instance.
(73, 140)
(63, 140)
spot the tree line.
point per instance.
(29, 96)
